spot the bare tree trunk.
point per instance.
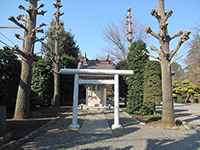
(165, 58)
(56, 96)
(56, 63)
(23, 96)
(24, 89)
(167, 111)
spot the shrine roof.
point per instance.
(98, 64)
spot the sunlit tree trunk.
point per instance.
(56, 55)
(28, 24)
(165, 58)
(168, 111)
(56, 64)
(24, 89)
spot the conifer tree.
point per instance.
(152, 86)
(137, 59)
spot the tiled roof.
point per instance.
(98, 64)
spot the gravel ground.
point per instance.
(131, 137)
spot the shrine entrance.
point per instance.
(95, 72)
(96, 96)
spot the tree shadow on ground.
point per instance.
(182, 115)
(109, 148)
(190, 142)
(192, 119)
(61, 138)
(20, 128)
(48, 112)
(124, 121)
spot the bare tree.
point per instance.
(193, 59)
(120, 37)
(165, 58)
(56, 56)
(28, 24)
(117, 43)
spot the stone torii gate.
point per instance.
(115, 82)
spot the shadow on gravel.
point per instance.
(191, 142)
(192, 119)
(20, 128)
(182, 115)
(61, 138)
(109, 148)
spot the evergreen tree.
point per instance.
(123, 88)
(43, 67)
(9, 78)
(67, 46)
(137, 59)
(42, 83)
(152, 86)
(70, 51)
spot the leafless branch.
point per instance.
(40, 6)
(153, 48)
(176, 59)
(184, 37)
(155, 13)
(22, 53)
(42, 12)
(120, 37)
(168, 14)
(39, 39)
(14, 20)
(115, 38)
(19, 37)
(178, 34)
(153, 56)
(155, 35)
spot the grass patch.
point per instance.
(147, 118)
(152, 118)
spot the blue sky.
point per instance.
(88, 18)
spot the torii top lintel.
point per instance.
(96, 71)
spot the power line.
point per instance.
(7, 38)
(9, 27)
(5, 44)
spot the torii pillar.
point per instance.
(116, 124)
(75, 124)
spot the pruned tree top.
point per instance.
(163, 36)
(27, 22)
